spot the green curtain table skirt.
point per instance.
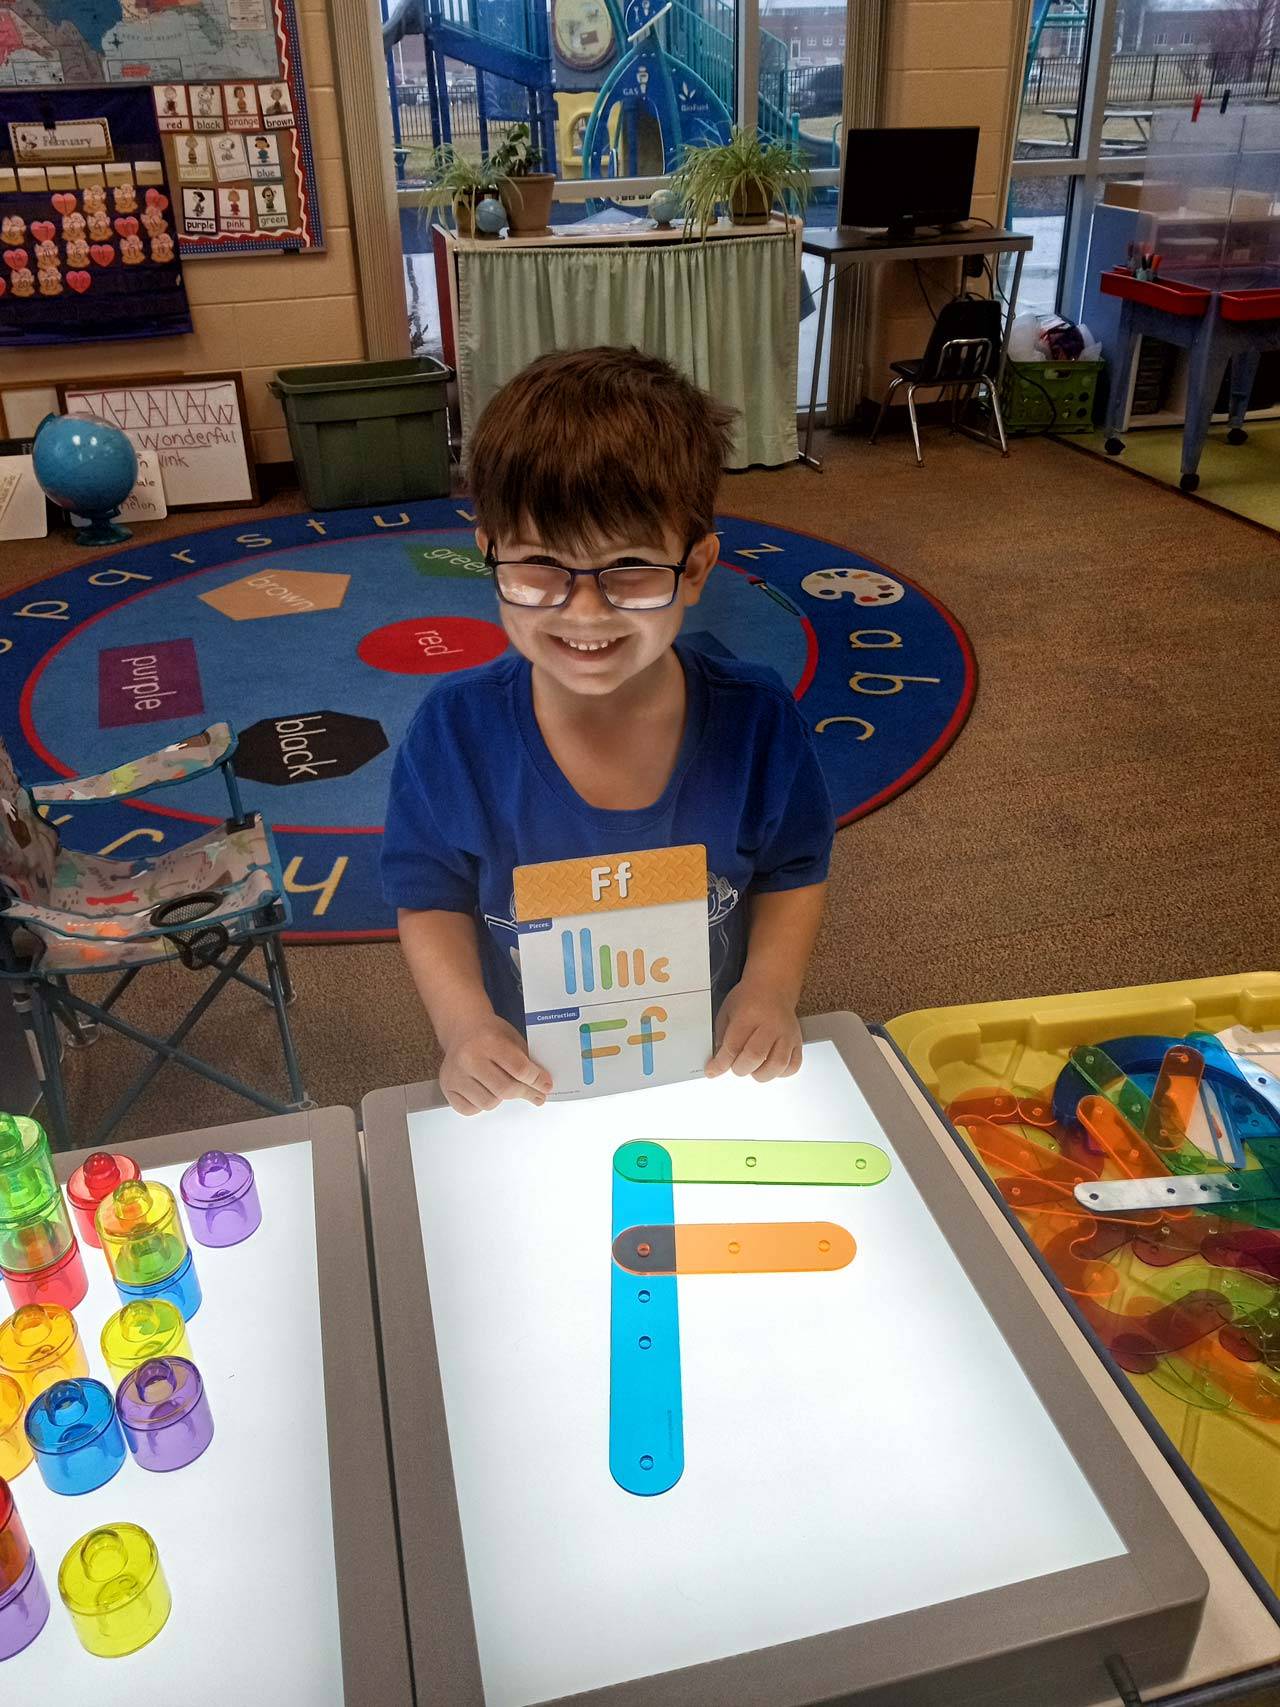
(724, 312)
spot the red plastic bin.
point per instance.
(1189, 301)
(1250, 304)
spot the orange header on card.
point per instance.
(608, 883)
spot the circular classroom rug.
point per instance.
(315, 636)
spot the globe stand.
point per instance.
(100, 529)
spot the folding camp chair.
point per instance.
(207, 904)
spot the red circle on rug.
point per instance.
(432, 645)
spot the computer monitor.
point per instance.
(908, 177)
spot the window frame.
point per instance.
(1087, 164)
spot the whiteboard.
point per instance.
(847, 1434)
(194, 425)
(23, 512)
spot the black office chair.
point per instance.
(961, 357)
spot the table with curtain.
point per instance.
(724, 311)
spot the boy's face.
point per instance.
(587, 645)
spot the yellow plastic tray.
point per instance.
(1022, 1046)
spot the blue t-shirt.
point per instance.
(475, 793)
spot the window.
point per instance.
(1098, 75)
(811, 41)
(795, 47)
(828, 41)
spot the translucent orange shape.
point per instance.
(1124, 1148)
(749, 1247)
(1173, 1100)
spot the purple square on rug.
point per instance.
(148, 683)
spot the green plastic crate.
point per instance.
(1049, 397)
(368, 432)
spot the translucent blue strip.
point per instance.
(646, 1417)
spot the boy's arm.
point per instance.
(757, 1031)
(485, 1059)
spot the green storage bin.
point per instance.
(368, 432)
(1049, 397)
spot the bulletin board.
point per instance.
(227, 88)
(87, 242)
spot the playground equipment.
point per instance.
(666, 70)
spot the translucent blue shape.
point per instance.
(182, 1288)
(646, 1415)
(75, 1435)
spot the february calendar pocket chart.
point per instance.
(615, 963)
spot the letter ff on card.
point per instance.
(616, 966)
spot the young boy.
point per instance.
(594, 477)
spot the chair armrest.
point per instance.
(191, 757)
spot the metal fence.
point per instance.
(811, 91)
(1159, 79)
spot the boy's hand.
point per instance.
(491, 1065)
(757, 1032)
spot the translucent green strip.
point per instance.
(695, 1161)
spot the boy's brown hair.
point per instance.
(598, 442)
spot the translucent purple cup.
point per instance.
(23, 1611)
(164, 1413)
(221, 1198)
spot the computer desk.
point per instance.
(865, 249)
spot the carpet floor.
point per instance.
(1110, 814)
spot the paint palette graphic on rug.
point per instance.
(316, 637)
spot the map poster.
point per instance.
(88, 252)
(616, 969)
(212, 68)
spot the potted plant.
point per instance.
(749, 176)
(459, 182)
(526, 192)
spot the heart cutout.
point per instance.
(16, 259)
(65, 203)
(43, 230)
(156, 200)
(79, 282)
(4, 285)
(127, 227)
(103, 254)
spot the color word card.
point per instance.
(615, 963)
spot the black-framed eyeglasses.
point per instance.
(544, 585)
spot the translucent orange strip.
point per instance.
(732, 1247)
(1173, 1100)
(1134, 1157)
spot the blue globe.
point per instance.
(491, 216)
(84, 465)
(664, 206)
